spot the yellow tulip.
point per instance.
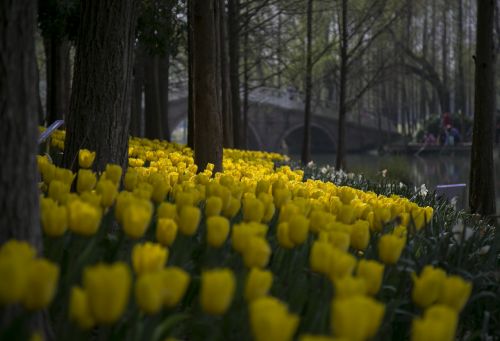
(54, 219)
(108, 191)
(258, 283)
(217, 290)
(438, 324)
(455, 292)
(270, 320)
(213, 206)
(79, 310)
(356, 318)
(319, 220)
(175, 284)
(136, 218)
(283, 233)
(308, 337)
(349, 286)
(130, 180)
(189, 219)
(256, 253)
(217, 230)
(321, 257)
(58, 191)
(108, 289)
(389, 248)
(427, 287)
(372, 272)
(64, 175)
(14, 279)
(113, 173)
(360, 235)
(241, 234)
(41, 284)
(298, 229)
(232, 208)
(167, 210)
(342, 264)
(85, 181)
(148, 257)
(123, 199)
(339, 239)
(85, 158)
(253, 210)
(83, 218)
(166, 231)
(149, 292)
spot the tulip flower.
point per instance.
(427, 287)
(270, 320)
(41, 284)
(438, 324)
(85, 158)
(258, 283)
(149, 292)
(83, 218)
(217, 290)
(298, 229)
(390, 247)
(166, 231)
(372, 272)
(85, 181)
(189, 219)
(455, 292)
(256, 252)
(217, 230)
(79, 310)
(148, 257)
(175, 283)
(213, 206)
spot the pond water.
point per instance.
(430, 169)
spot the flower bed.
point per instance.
(256, 252)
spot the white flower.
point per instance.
(458, 232)
(423, 190)
(350, 176)
(484, 250)
(310, 164)
(401, 185)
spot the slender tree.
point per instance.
(482, 174)
(344, 41)
(206, 90)
(100, 101)
(234, 68)
(306, 144)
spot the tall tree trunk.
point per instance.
(100, 102)
(234, 68)
(340, 162)
(58, 77)
(18, 123)
(152, 111)
(190, 118)
(137, 112)
(226, 102)
(444, 97)
(246, 90)
(164, 84)
(482, 174)
(306, 144)
(207, 113)
(460, 96)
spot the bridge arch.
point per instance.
(322, 140)
(254, 141)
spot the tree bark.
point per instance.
(100, 102)
(164, 85)
(58, 77)
(246, 90)
(208, 119)
(234, 68)
(460, 95)
(191, 120)
(153, 108)
(137, 112)
(482, 174)
(226, 93)
(340, 162)
(18, 123)
(306, 143)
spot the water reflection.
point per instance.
(431, 169)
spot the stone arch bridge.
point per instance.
(276, 119)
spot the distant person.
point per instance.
(429, 138)
(446, 120)
(456, 135)
(443, 137)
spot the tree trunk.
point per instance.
(246, 90)
(207, 114)
(190, 118)
(137, 112)
(460, 96)
(234, 68)
(340, 162)
(152, 97)
(306, 144)
(226, 104)
(444, 96)
(58, 77)
(164, 84)
(482, 174)
(18, 123)
(100, 101)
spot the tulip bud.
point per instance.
(85, 181)
(175, 283)
(258, 283)
(217, 230)
(166, 231)
(390, 248)
(372, 272)
(217, 290)
(85, 158)
(189, 219)
(79, 310)
(148, 257)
